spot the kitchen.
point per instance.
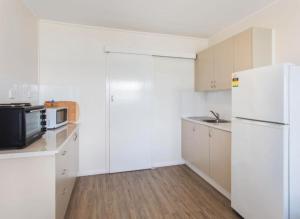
(82, 57)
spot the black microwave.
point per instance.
(21, 125)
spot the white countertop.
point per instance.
(221, 126)
(48, 145)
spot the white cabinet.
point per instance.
(66, 171)
(209, 150)
(40, 177)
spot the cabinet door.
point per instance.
(201, 148)
(187, 140)
(220, 158)
(66, 172)
(224, 64)
(243, 51)
(72, 162)
(76, 160)
(204, 70)
(62, 180)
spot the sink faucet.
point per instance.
(217, 115)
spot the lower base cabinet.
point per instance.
(220, 158)
(209, 150)
(66, 172)
(37, 182)
(195, 145)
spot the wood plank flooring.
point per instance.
(168, 192)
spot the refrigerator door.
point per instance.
(262, 94)
(260, 169)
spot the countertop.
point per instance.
(221, 126)
(48, 145)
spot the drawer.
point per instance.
(64, 154)
(62, 178)
(62, 159)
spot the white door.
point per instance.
(262, 94)
(130, 82)
(259, 169)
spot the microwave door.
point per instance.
(61, 116)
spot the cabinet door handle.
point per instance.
(209, 134)
(64, 172)
(64, 153)
(64, 191)
(194, 129)
(75, 137)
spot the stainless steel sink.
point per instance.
(208, 119)
(201, 118)
(216, 121)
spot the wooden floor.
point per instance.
(168, 192)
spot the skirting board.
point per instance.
(92, 172)
(168, 163)
(155, 165)
(209, 180)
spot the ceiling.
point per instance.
(198, 18)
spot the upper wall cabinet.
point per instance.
(223, 64)
(252, 48)
(215, 65)
(204, 76)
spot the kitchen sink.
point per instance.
(209, 119)
(216, 121)
(201, 118)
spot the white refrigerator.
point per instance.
(266, 142)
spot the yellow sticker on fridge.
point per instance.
(235, 82)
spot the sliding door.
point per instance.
(130, 111)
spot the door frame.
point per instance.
(107, 115)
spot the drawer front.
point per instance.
(62, 168)
(62, 159)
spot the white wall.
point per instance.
(72, 66)
(174, 96)
(220, 102)
(283, 16)
(18, 52)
